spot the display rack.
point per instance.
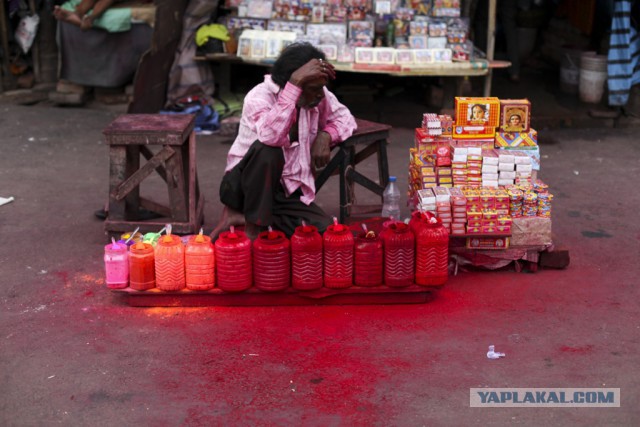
(475, 68)
(253, 297)
(454, 71)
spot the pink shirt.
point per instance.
(268, 114)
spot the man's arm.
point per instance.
(339, 123)
(273, 120)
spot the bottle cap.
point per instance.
(392, 179)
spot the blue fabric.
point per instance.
(207, 119)
(624, 54)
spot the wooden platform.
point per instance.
(253, 297)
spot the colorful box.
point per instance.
(477, 111)
(443, 155)
(487, 229)
(515, 115)
(483, 143)
(446, 121)
(503, 229)
(517, 140)
(424, 142)
(488, 243)
(474, 132)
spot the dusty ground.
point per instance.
(72, 353)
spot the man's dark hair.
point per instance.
(293, 57)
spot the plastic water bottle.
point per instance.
(391, 200)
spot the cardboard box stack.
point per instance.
(524, 169)
(506, 168)
(426, 200)
(459, 166)
(458, 211)
(489, 168)
(474, 166)
(443, 206)
(430, 158)
(478, 170)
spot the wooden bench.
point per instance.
(370, 138)
(130, 136)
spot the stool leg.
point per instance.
(123, 162)
(117, 175)
(133, 198)
(176, 184)
(196, 199)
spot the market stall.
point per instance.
(476, 199)
(478, 172)
(398, 38)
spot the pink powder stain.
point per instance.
(577, 350)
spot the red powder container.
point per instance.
(338, 256)
(432, 252)
(368, 260)
(233, 259)
(271, 261)
(306, 258)
(169, 263)
(142, 272)
(399, 255)
(415, 220)
(199, 260)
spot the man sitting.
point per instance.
(289, 124)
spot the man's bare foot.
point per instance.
(252, 231)
(229, 217)
(87, 23)
(66, 16)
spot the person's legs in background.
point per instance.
(507, 12)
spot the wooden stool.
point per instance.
(130, 135)
(370, 138)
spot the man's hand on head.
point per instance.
(312, 70)
(321, 150)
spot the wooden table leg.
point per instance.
(132, 200)
(383, 163)
(344, 198)
(117, 175)
(177, 187)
